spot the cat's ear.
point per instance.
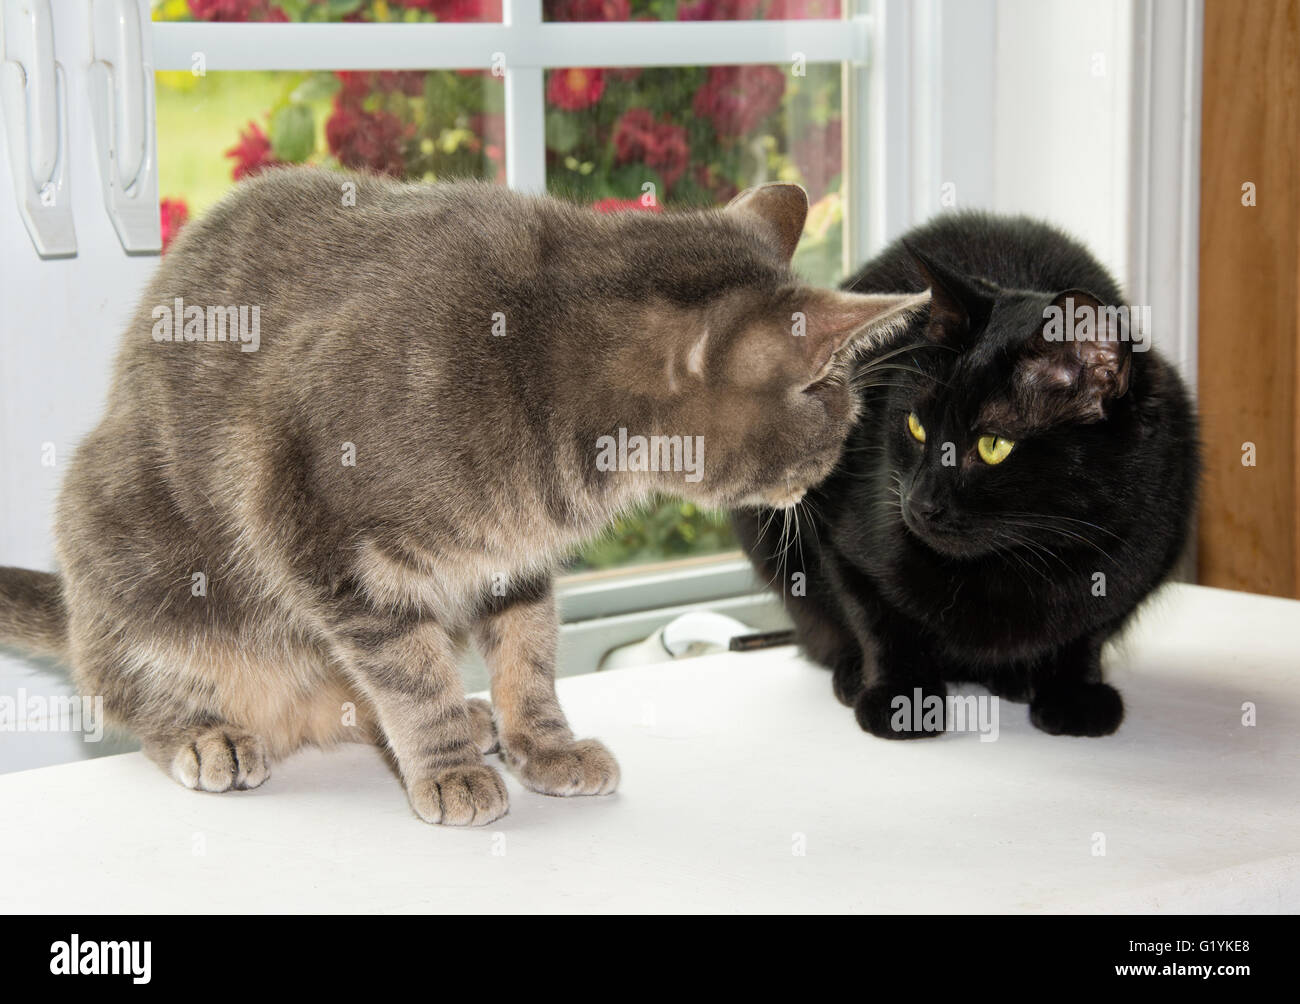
(835, 321)
(959, 306)
(779, 209)
(1080, 359)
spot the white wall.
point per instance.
(1020, 106)
(1062, 117)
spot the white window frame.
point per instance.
(522, 44)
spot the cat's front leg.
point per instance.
(517, 636)
(903, 696)
(893, 682)
(1069, 697)
(407, 667)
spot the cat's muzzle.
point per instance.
(783, 498)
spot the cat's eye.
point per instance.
(994, 449)
(915, 427)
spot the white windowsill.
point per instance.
(731, 765)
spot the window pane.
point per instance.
(640, 140)
(689, 10)
(218, 128)
(355, 11)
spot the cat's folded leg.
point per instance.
(407, 666)
(1069, 697)
(209, 757)
(518, 639)
(485, 727)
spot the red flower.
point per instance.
(720, 10)
(364, 140)
(796, 10)
(236, 10)
(575, 88)
(621, 205)
(360, 84)
(639, 139)
(817, 154)
(409, 82)
(736, 99)
(467, 10)
(458, 10)
(356, 86)
(173, 213)
(586, 10)
(252, 153)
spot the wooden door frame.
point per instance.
(1249, 297)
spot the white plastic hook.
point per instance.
(33, 90)
(121, 106)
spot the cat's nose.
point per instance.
(925, 510)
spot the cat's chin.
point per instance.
(778, 498)
(949, 545)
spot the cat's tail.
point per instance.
(32, 614)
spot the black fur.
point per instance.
(994, 580)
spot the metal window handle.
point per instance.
(121, 106)
(34, 94)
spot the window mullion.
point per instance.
(525, 100)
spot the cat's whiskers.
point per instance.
(814, 517)
(1061, 531)
(763, 528)
(1030, 551)
(869, 381)
(1068, 519)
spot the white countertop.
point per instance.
(730, 764)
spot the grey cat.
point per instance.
(294, 515)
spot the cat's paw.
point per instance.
(460, 796)
(485, 728)
(1085, 709)
(846, 681)
(584, 767)
(219, 759)
(880, 712)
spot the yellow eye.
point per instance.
(994, 449)
(915, 427)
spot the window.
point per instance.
(629, 105)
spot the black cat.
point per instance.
(1007, 497)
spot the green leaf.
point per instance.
(293, 133)
(317, 87)
(562, 132)
(294, 10)
(336, 10)
(626, 181)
